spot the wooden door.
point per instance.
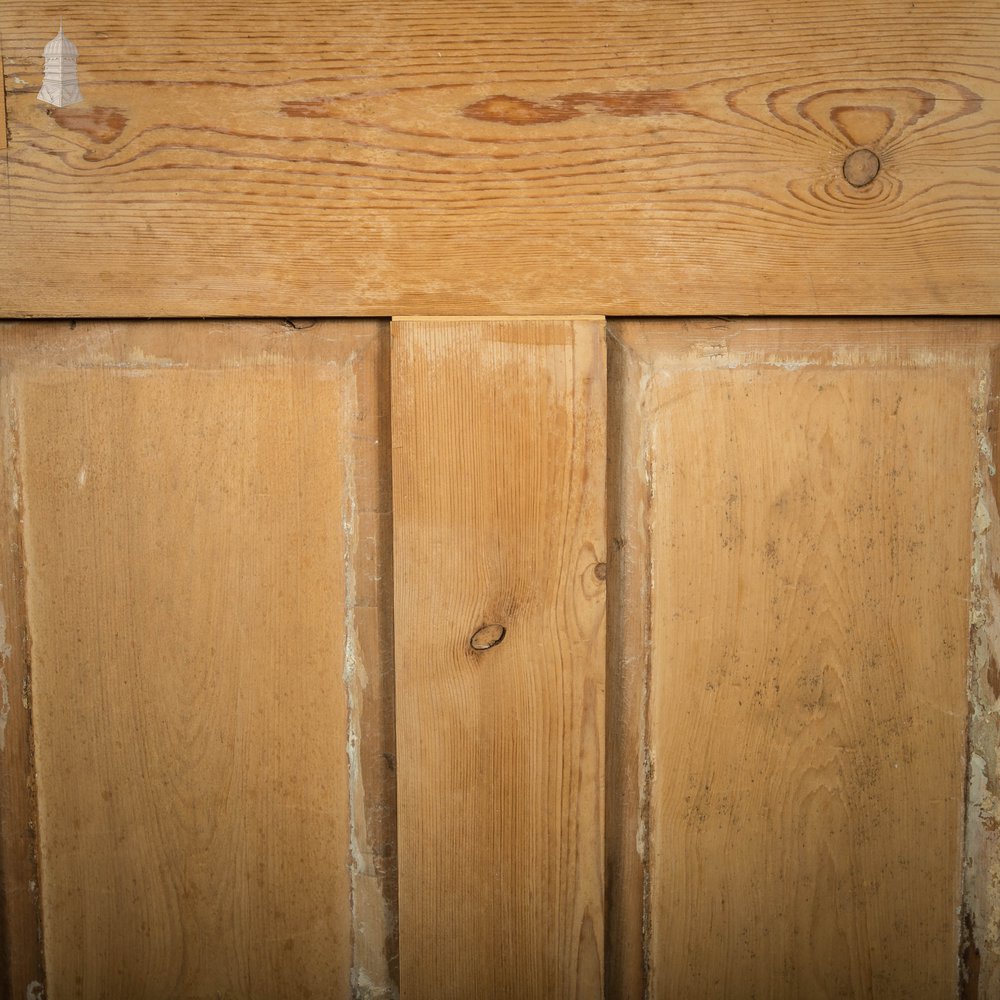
(504, 637)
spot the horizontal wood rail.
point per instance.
(380, 157)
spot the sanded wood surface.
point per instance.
(499, 560)
(196, 501)
(799, 571)
(513, 157)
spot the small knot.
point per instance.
(487, 637)
(861, 167)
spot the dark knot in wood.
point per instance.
(861, 167)
(487, 637)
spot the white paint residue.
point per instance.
(35, 991)
(4, 706)
(60, 86)
(981, 519)
(5, 650)
(987, 452)
(82, 477)
(977, 779)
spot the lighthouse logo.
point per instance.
(60, 86)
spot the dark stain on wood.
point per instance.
(993, 677)
(102, 125)
(969, 966)
(506, 110)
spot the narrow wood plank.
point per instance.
(805, 544)
(3, 100)
(627, 801)
(234, 158)
(368, 664)
(980, 969)
(201, 533)
(498, 486)
(22, 972)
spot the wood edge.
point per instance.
(626, 801)
(178, 343)
(587, 353)
(513, 318)
(979, 958)
(4, 138)
(716, 342)
(370, 690)
(20, 879)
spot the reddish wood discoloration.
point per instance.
(507, 110)
(103, 125)
(313, 107)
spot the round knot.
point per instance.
(861, 167)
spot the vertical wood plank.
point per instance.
(627, 802)
(980, 969)
(498, 486)
(368, 669)
(22, 972)
(3, 100)
(205, 519)
(805, 543)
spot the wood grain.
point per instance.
(803, 564)
(498, 485)
(510, 157)
(201, 540)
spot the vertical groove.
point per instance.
(368, 677)
(23, 931)
(386, 639)
(626, 805)
(979, 956)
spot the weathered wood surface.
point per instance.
(619, 158)
(498, 487)
(21, 962)
(981, 915)
(788, 753)
(205, 525)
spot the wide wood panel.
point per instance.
(507, 157)
(498, 486)
(790, 668)
(199, 603)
